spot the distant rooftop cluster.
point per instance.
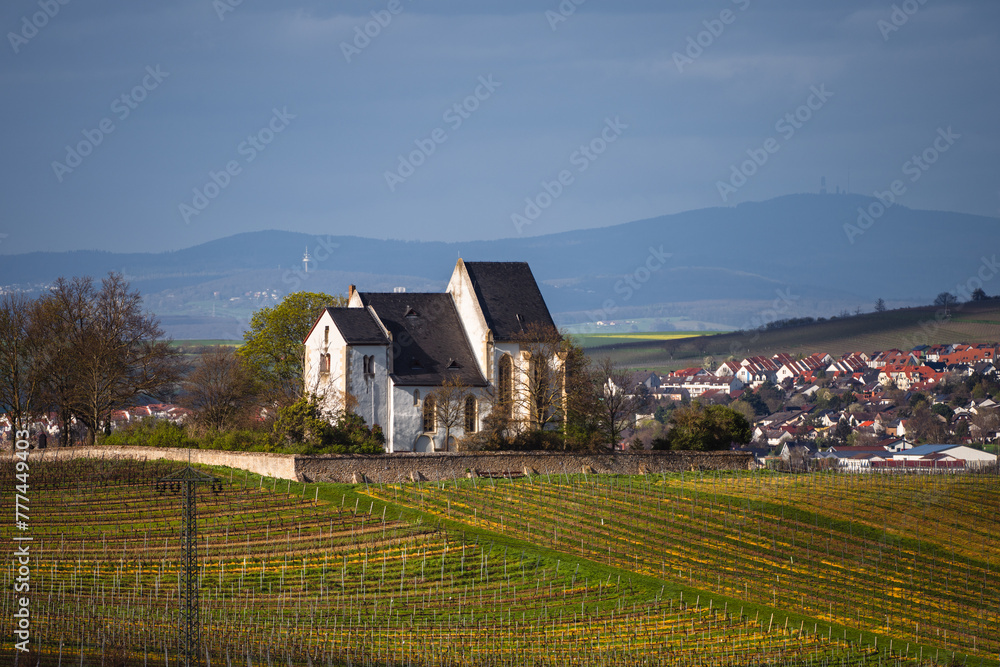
(49, 423)
(821, 404)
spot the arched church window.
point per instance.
(430, 415)
(470, 414)
(505, 386)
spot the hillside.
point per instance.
(711, 569)
(704, 269)
(902, 329)
(909, 557)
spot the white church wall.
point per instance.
(519, 378)
(407, 418)
(467, 304)
(328, 387)
(408, 421)
(370, 390)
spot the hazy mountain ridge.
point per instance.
(792, 250)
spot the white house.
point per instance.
(698, 386)
(755, 371)
(958, 452)
(795, 368)
(727, 369)
(389, 351)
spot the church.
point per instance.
(386, 353)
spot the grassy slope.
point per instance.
(274, 565)
(904, 328)
(579, 506)
(526, 522)
(206, 343)
(602, 339)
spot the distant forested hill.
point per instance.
(791, 256)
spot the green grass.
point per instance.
(597, 340)
(587, 341)
(969, 321)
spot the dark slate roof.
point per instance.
(431, 340)
(357, 326)
(509, 297)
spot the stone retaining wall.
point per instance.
(281, 466)
(408, 466)
(434, 467)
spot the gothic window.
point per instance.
(324, 363)
(368, 365)
(470, 414)
(430, 415)
(539, 390)
(505, 386)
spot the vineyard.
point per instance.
(894, 556)
(604, 571)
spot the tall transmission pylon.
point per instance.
(186, 484)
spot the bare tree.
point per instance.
(924, 426)
(862, 439)
(20, 382)
(220, 389)
(117, 351)
(984, 424)
(617, 402)
(497, 426)
(539, 389)
(945, 299)
(449, 406)
(548, 395)
(583, 424)
(58, 374)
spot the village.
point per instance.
(929, 407)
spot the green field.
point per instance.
(587, 341)
(902, 329)
(206, 343)
(686, 569)
(192, 350)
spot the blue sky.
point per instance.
(129, 127)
